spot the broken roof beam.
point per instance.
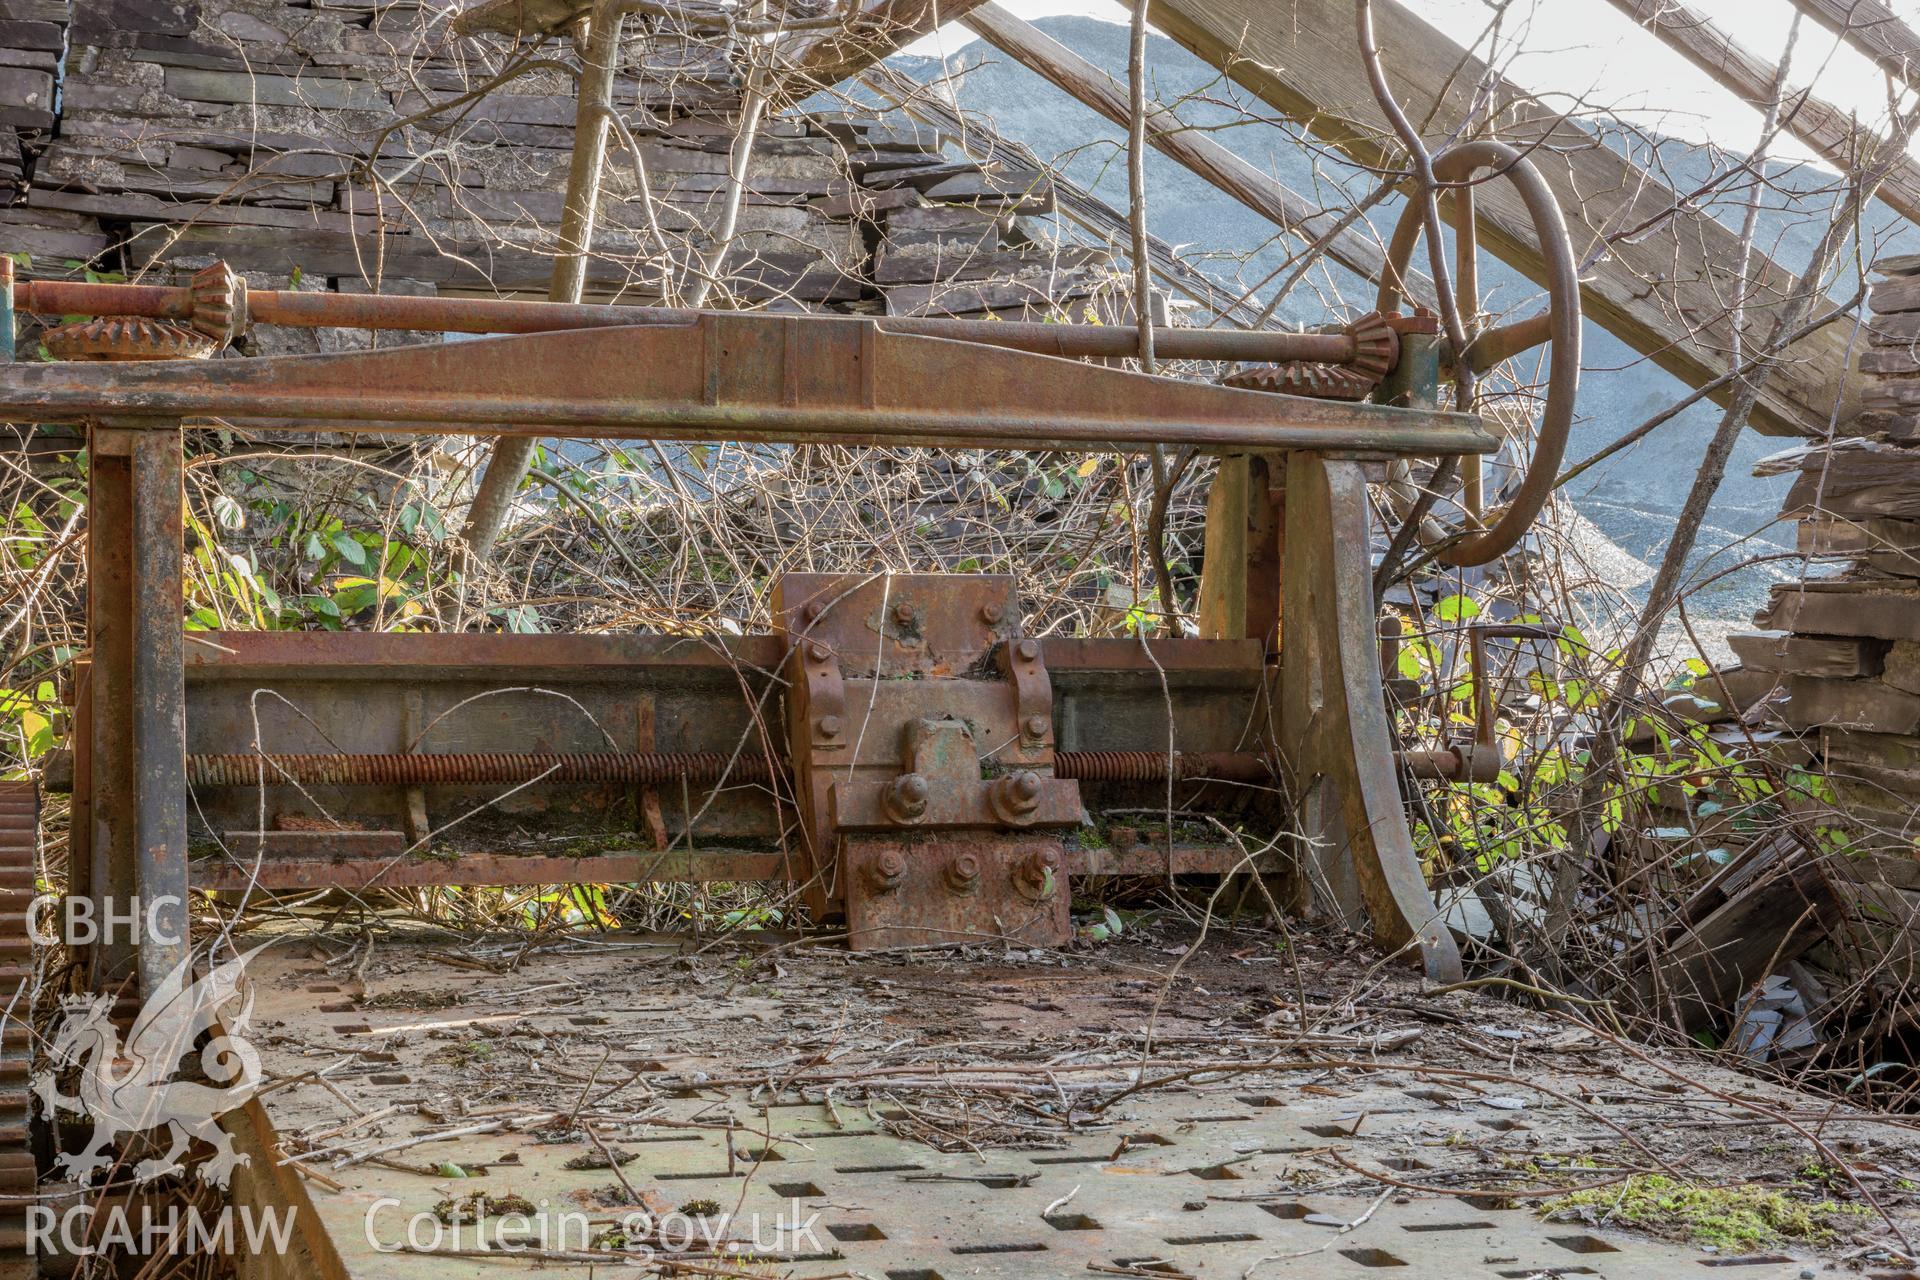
(1663, 292)
(1827, 129)
(1872, 29)
(875, 31)
(1168, 134)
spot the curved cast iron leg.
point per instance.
(1335, 716)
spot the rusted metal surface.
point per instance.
(391, 872)
(1334, 719)
(110, 638)
(314, 309)
(1562, 328)
(743, 377)
(19, 818)
(159, 711)
(906, 891)
(413, 769)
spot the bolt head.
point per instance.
(829, 726)
(911, 786)
(1027, 650)
(1036, 726)
(1026, 784)
(967, 867)
(892, 862)
(817, 651)
(991, 614)
(812, 611)
(904, 613)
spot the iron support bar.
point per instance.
(159, 710)
(638, 768)
(741, 377)
(108, 753)
(296, 308)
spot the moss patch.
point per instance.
(1729, 1218)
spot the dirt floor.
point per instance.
(1143, 1106)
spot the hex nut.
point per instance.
(1037, 877)
(1026, 650)
(991, 614)
(906, 800)
(886, 872)
(963, 873)
(1036, 726)
(829, 726)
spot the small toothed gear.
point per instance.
(128, 338)
(19, 818)
(1304, 378)
(219, 304)
(1376, 349)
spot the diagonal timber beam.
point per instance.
(979, 142)
(1258, 191)
(1826, 128)
(1663, 291)
(1874, 30)
(875, 31)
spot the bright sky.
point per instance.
(1589, 47)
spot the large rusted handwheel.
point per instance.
(1560, 325)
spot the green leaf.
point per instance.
(350, 550)
(448, 1169)
(1454, 608)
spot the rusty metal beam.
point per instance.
(300, 309)
(741, 377)
(159, 710)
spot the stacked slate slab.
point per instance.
(1841, 657)
(362, 144)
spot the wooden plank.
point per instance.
(1824, 127)
(1883, 610)
(1808, 655)
(1815, 703)
(1873, 29)
(1663, 292)
(880, 29)
(977, 138)
(1168, 134)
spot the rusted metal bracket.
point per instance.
(941, 722)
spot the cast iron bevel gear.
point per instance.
(1303, 378)
(219, 304)
(128, 338)
(1376, 350)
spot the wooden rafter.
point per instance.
(1257, 190)
(1662, 289)
(977, 139)
(1873, 29)
(1826, 128)
(880, 29)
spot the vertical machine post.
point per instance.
(137, 694)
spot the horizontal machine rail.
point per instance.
(418, 769)
(745, 377)
(297, 308)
